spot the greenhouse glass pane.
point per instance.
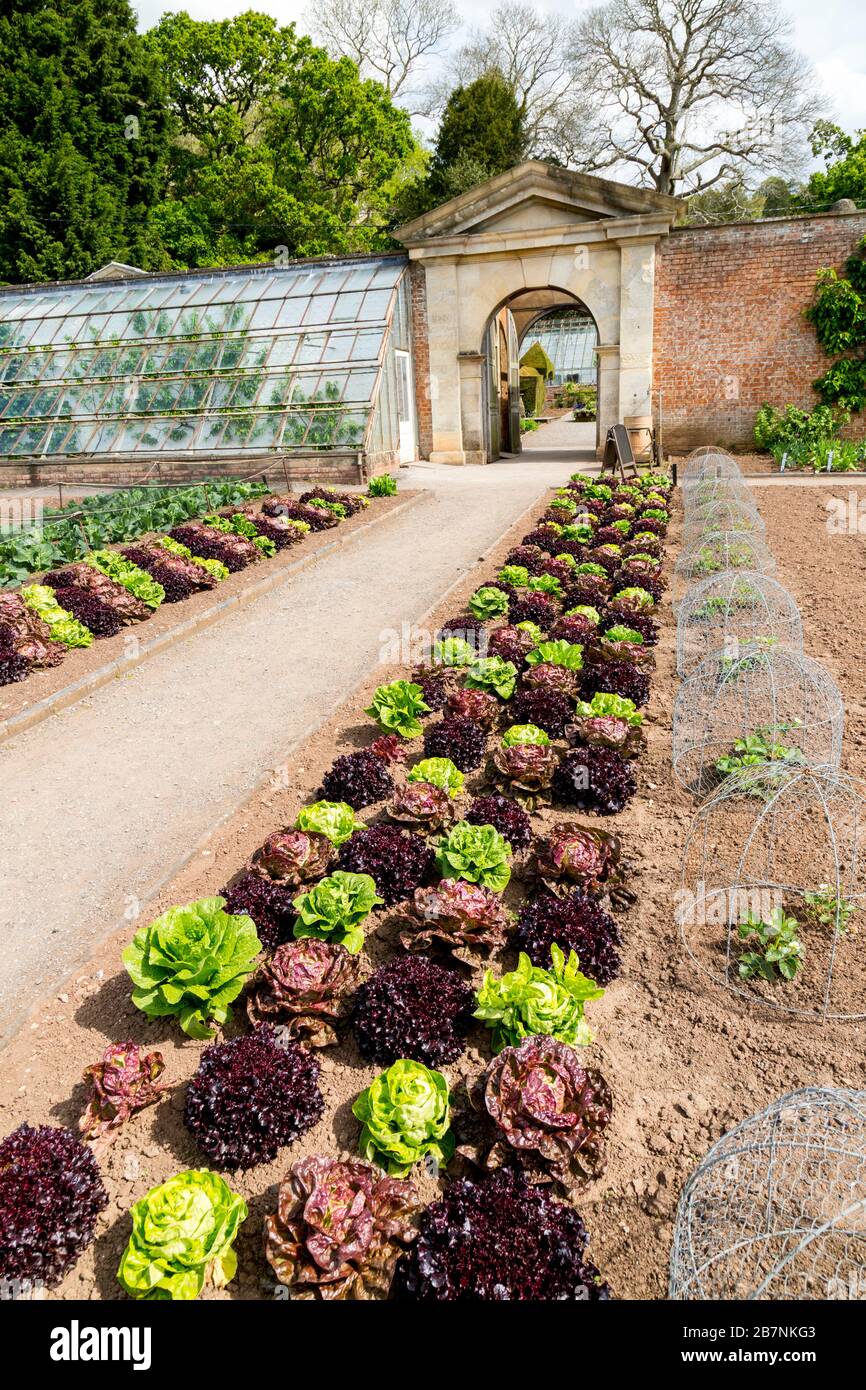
(196, 362)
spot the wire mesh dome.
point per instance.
(701, 458)
(717, 551)
(732, 608)
(760, 703)
(722, 515)
(698, 491)
(714, 466)
(777, 1208)
(774, 889)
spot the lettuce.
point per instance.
(335, 909)
(182, 1235)
(336, 819)
(561, 653)
(64, 628)
(453, 651)
(604, 705)
(213, 567)
(136, 581)
(530, 1000)
(494, 674)
(476, 853)
(515, 575)
(191, 963)
(439, 772)
(524, 733)
(584, 610)
(405, 1117)
(488, 602)
(396, 707)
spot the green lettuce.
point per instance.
(524, 733)
(532, 1000)
(396, 707)
(453, 651)
(477, 854)
(494, 674)
(213, 567)
(515, 575)
(620, 633)
(336, 819)
(137, 581)
(191, 963)
(566, 654)
(533, 629)
(636, 597)
(405, 1118)
(604, 705)
(546, 584)
(439, 772)
(584, 610)
(64, 628)
(488, 602)
(182, 1235)
(335, 908)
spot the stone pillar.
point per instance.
(443, 317)
(472, 366)
(637, 272)
(607, 410)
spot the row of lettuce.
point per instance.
(106, 590)
(531, 698)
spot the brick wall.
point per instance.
(421, 357)
(729, 331)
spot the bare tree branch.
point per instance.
(388, 39)
(689, 92)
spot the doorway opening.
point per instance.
(540, 363)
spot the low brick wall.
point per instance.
(729, 330)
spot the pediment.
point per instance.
(532, 197)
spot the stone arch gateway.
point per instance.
(536, 227)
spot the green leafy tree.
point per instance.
(844, 175)
(481, 133)
(277, 145)
(83, 139)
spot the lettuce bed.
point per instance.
(483, 870)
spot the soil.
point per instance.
(81, 662)
(685, 1058)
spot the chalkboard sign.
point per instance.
(618, 454)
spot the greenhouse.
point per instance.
(256, 363)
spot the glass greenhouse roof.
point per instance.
(259, 359)
(569, 338)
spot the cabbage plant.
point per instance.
(405, 1117)
(182, 1236)
(532, 1000)
(191, 963)
(335, 909)
(396, 707)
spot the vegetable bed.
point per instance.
(68, 617)
(474, 1079)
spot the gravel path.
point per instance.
(100, 804)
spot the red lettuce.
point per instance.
(339, 1229)
(125, 1080)
(574, 854)
(505, 815)
(306, 989)
(268, 903)
(397, 861)
(459, 917)
(251, 1097)
(576, 923)
(360, 779)
(479, 706)
(594, 779)
(461, 740)
(551, 710)
(51, 1193)
(412, 1008)
(292, 857)
(617, 678)
(424, 806)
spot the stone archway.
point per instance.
(536, 227)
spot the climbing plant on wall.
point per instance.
(838, 314)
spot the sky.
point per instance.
(832, 34)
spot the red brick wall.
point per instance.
(421, 357)
(729, 329)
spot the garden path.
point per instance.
(100, 804)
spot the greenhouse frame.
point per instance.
(227, 368)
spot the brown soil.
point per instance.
(685, 1058)
(83, 661)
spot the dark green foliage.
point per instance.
(83, 139)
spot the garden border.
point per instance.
(70, 695)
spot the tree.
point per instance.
(844, 175)
(735, 201)
(388, 40)
(530, 50)
(694, 92)
(279, 149)
(83, 139)
(481, 134)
